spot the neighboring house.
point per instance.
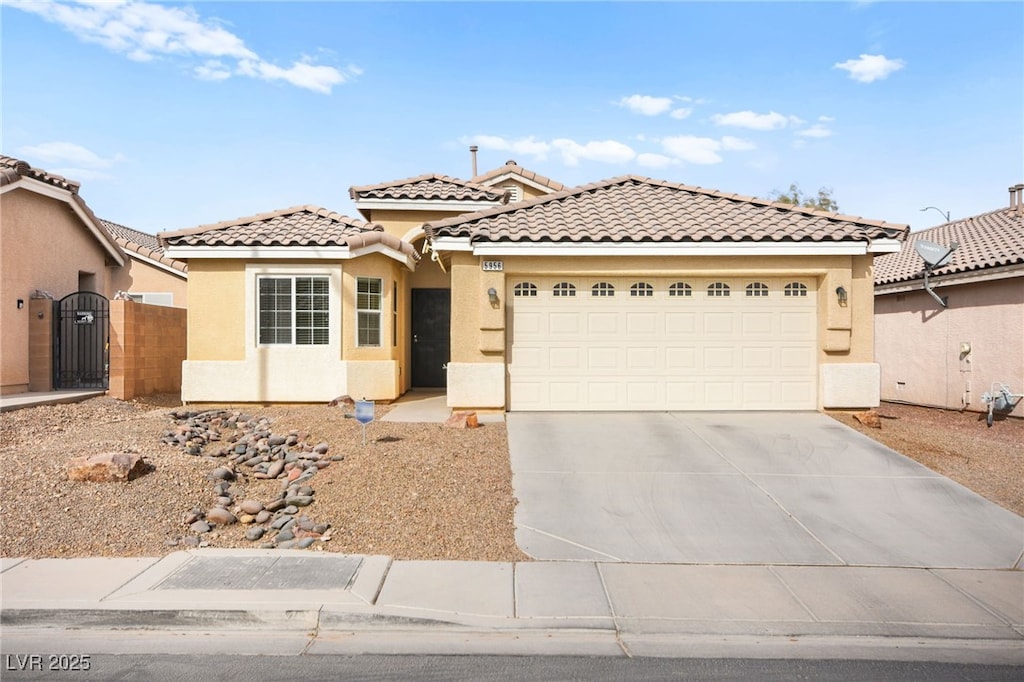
(950, 356)
(149, 276)
(52, 243)
(626, 294)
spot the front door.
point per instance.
(431, 339)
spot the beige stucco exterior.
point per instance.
(142, 277)
(848, 378)
(226, 363)
(44, 245)
(949, 357)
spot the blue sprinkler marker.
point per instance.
(364, 414)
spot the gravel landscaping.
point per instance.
(414, 491)
(300, 476)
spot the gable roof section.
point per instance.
(15, 173)
(431, 187)
(986, 241)
(512, 170)
(636, 210)
(300, 231)
(143, 246)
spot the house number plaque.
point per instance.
(493, 266)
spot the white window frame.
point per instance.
(369, 313)
(292, 353)
(294, 310)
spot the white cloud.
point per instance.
(816, 130)
(527, 145)
(700, 150)
(646, 105)
(826, 119)
(145, 31)
(737, 144)
(50, 154)
(212, 70)
(681, 113)
(606, 151)
(648, 160)
(870, 67)
(751, 120)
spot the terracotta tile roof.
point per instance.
(514, 168)
(428, 188)
(988, 240)
(143, 244)
(12, 170)
(636, 209)
(296, 226)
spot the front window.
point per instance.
(369, 303)
(294, 310)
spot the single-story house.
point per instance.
(630, 293)
(55, 246)
(950, 355)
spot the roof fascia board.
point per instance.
(259, 252)
(451, 244)
(135, 255)
(423, 205)
(518, 178)
(48, 190)
(973, 277)
(402, 258)
(885, 246)
(674, 249)
(284, 253)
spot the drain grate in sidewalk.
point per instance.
(263, 573)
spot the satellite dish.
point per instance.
(934, 255)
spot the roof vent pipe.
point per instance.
(1020, 199)
(472, 152)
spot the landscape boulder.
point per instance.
(107, 467)
(869, 419)
(462, 420)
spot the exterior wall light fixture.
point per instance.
(492, 296)
(841, 295)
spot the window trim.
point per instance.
(294, 310)
(377, 312)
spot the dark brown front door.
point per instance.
(431, 337)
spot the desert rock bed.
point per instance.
(414, 491)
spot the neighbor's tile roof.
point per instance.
(297, 226)
(988, 240)
(514, 168)
(636, 209)
(141, 243)
(12, 170)
(428, 188)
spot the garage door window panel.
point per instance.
(602, 290)
(525, 290)
(757, 290)
(718, 290)
(564, 290)
(795, 290)
(680, 289)
(641, 289)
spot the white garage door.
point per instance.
(632, 343)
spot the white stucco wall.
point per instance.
(918, 343)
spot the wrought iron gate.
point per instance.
(81, 341)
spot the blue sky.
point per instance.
(173, 115)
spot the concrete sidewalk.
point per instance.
(373, 604)
(17, 401)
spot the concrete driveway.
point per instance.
(741, 488)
